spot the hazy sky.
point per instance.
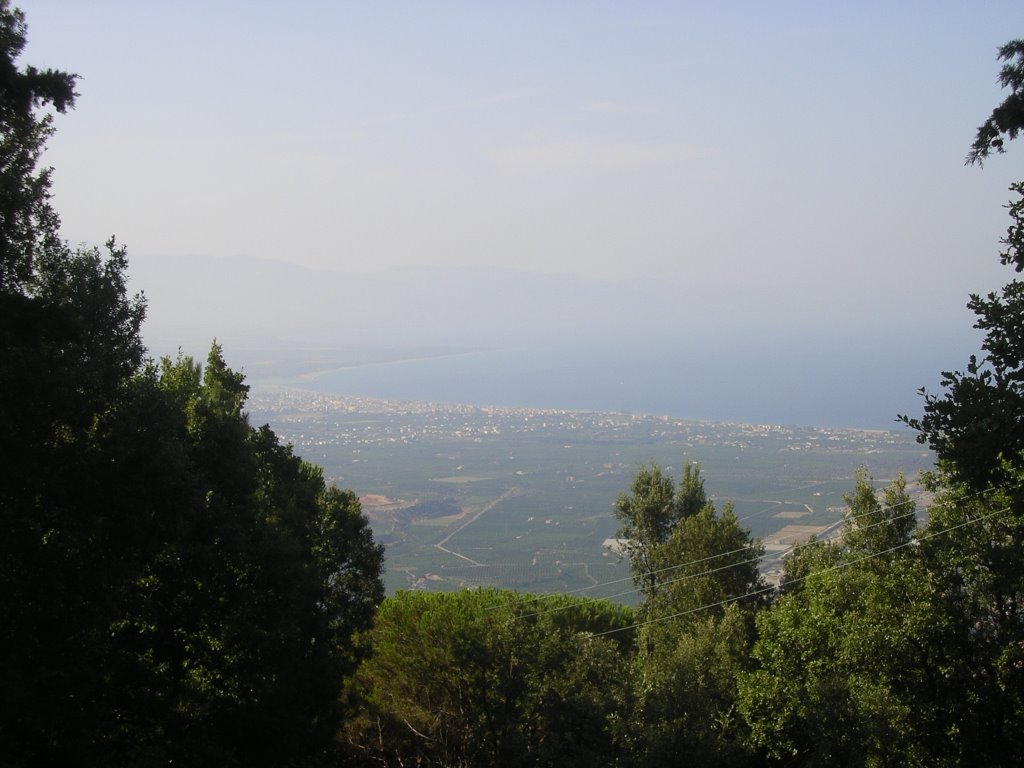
(798, 157)
(807, 141)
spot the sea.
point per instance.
(825, 387)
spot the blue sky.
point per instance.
(790, 161)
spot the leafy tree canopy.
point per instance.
(650, 512)
(177, 585)
(697, 569)
(490, 677)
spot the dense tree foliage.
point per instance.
(239, 624)
(492, 678)
(697, 568)
(648, 514)
(837, 653)
(68, 347)
(972, 548)
(175, 586)
(899, 651)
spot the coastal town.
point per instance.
(427, 473)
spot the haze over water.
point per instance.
(658, 380)
(523, 339)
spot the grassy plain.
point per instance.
(465, 496)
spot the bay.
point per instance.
(750, 384)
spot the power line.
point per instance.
(786, 553)
(838, 566)
(708, 572)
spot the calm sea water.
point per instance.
(763, 385)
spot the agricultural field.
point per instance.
(465, 496)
